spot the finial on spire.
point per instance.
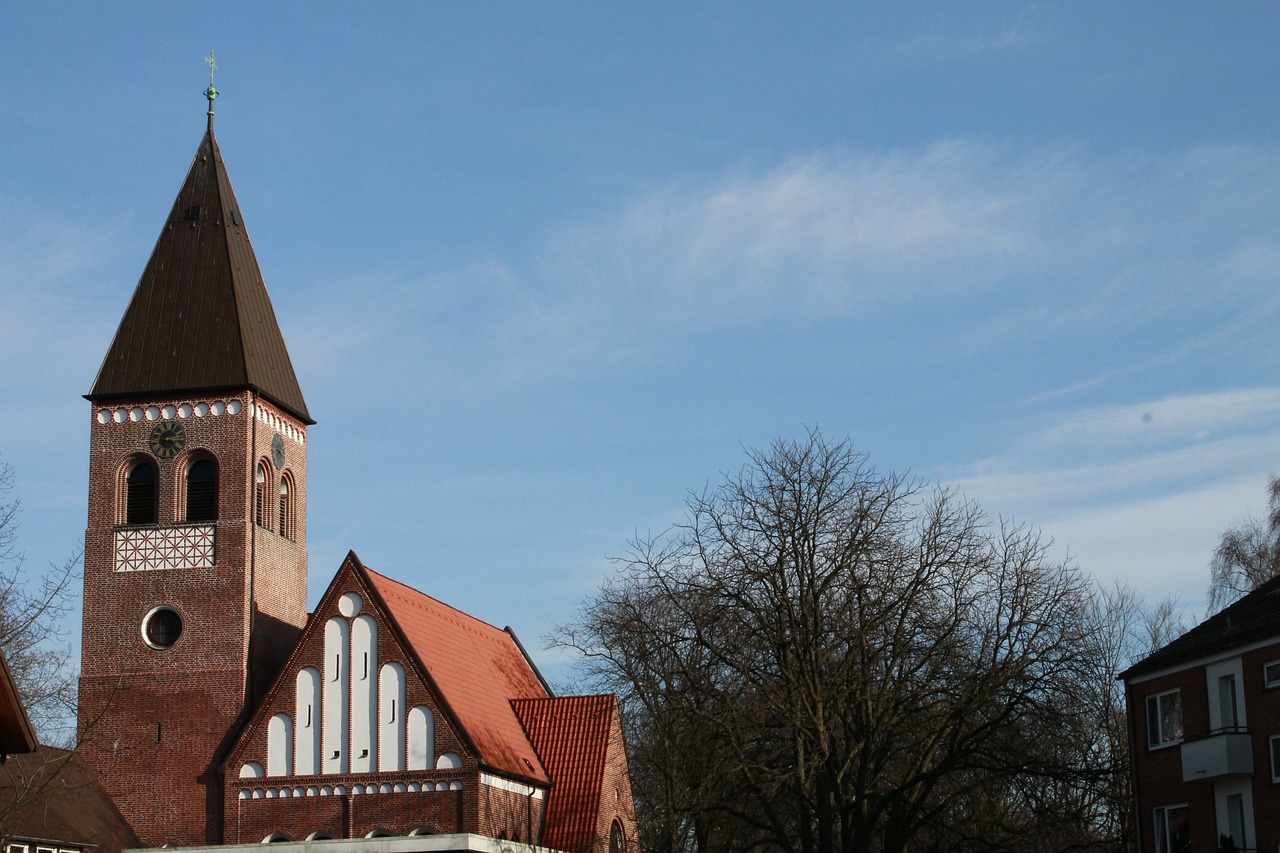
(211, 92)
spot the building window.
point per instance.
(1271, 674)
(288, 524)
(202, 490)
(140, 493)
(261, 505)
(1173, 830)
(617, 841)
(1275, 758)
(162, 628)
(1228, 706)
(1164, 719)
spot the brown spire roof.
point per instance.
(200, 319)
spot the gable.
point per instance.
(351, 700)
(387, 679)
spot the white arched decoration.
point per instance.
(422, 738)
(364, 694)
(280, 746)
(307, 715)
(251, 770)
(391, 723)
(336, 709)
(449, 761)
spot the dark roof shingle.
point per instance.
(200, 319)
(1254, 617)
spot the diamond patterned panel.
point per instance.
(144, 549)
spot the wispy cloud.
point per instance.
(936, 44)
(1139, 490)
(992, 248)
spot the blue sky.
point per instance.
(545, 268)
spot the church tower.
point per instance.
(195, 565)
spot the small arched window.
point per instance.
(288, 528)
(202, 490)
(140, 493)
(261, 494)
(617, 841)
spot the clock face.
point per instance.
(168, 439)
(277, 451)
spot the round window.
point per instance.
(162, 628)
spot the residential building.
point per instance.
(1204, 727)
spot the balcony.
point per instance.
(1225, 753)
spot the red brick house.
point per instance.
(1204, 729)
(214, 708)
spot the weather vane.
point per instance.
(211, 92)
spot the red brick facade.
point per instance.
(202, 675)
(1201, 722)
(157, 721)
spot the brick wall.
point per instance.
(157, 721)
(616, 802)
(249, 820)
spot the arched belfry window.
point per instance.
(261, 496)
(141, 485)
(202, 490)
(617, 841)
(288, 525)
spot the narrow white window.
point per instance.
(391, 725)
(364, 696)
(280, 746)
(1164, 719)
(336, 704)
(422, 738)
(307, 709)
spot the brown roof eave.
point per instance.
(17, 735)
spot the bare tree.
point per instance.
(825, 658)
(31, 632)
(1247, 555)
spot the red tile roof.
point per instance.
(478, 670)
(572, 736)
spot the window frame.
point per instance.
(1271, 674)
(1160, 827)
(168, 634)
(128, 494)
(211, 483)
(1155, 733)
(263, 509)
(287, 506)
(1273, 744)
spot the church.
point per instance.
(214, 708)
